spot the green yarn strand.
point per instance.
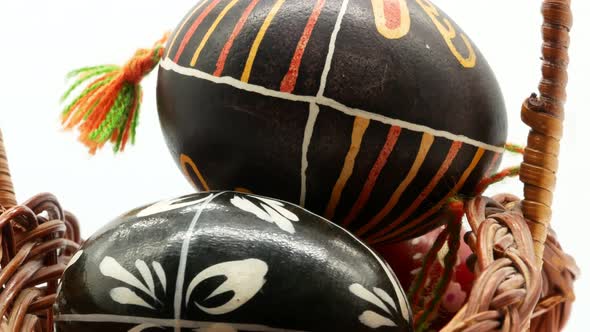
(87, 69)
(135, 120)
(68, 109)
(450, 258)
(116, 116)
(84, 75)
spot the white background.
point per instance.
(42, 40)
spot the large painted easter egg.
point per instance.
(228, 262)
(370, 113)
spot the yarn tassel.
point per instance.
(453, 242)
(450, 235)
(503, 174)
(107, 109)
(514, 148)
(418, 286)
(495, 178)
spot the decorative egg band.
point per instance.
(168, 64)
(147, 322)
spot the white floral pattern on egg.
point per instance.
(228, 262)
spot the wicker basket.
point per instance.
(524, 280)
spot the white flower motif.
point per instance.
(269, 210)
(125, 295)
(399, 292)
(375, 320)
(109, 267)
(170, 204)
(380, 299)
(244, 278)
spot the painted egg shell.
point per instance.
(407, 258)
(227, 261)
(369, 113)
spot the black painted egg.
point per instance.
(228, 262)
(371, 113)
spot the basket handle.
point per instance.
(544, 114)
(7, 197)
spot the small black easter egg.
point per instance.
(371, 113)
(228, 262)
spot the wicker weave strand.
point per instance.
(38, 239)
(511, 292)
(7, 198)
(559, 273)
(544, 114)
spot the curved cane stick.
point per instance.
(7, 198)
(544, 114)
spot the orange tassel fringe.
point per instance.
(108, 108)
